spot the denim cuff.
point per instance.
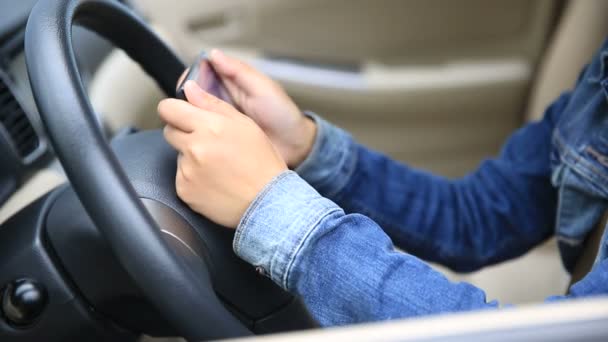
(277, 224)
(332, 160)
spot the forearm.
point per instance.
(491, 215)
(497, 212)
(345, 268)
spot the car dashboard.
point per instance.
(23, 145)
(25, 151)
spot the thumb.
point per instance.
(242, 75)
(203, 100)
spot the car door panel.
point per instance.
(445, 80)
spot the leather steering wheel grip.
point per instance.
(184, 296)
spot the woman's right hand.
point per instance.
(264, 100)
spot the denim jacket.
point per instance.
(328, 231)
(579, 160)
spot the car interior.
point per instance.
(89, 219)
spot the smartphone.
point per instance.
(202, 72)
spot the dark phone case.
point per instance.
(192, 73)
(213, 84)
(180, 94)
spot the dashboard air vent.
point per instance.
(16, 123)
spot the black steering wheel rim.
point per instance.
(186, 298)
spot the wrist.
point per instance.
(332, 160)
(306, 133)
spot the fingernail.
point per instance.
(215, 53)
(192, 84)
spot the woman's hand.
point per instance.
(225, 159)
(263, 100)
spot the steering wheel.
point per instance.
(181, 288)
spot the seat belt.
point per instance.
(590, 249)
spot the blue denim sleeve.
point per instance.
(495, 213)
(344, 266)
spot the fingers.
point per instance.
(238, 96)
(206, 101)
(176, 138)
(224, 65)
(180, 114)
(240, 73)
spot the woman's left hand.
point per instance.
(225, 159)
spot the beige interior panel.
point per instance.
(579, 34)
(441, 129)
(528, 279)
(354, 30)
(397, 30)
(37, 185)
(442, 126)
(123, 95)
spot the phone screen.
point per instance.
(205, 76)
